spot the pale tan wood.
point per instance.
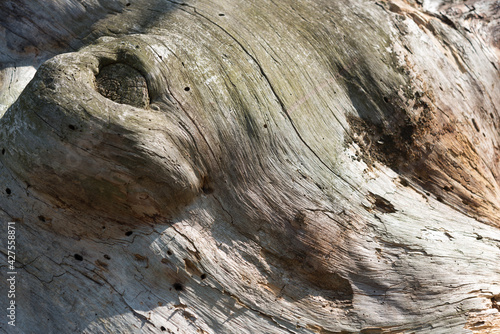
(253, 166)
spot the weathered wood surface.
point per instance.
(251, 166)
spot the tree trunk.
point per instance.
(250, 166)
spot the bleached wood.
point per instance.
(295, 166)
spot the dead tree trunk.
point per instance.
(250, 166)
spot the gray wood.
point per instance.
(251, 166)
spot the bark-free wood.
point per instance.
(251, 166)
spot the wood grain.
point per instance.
(251, 166)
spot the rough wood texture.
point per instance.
(251, 166)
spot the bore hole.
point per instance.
(407, 132)
(8, 191)
(495, 302)
(41, 218)
(382, 204)
(386, 100)
(128, 233)
(475, 125)
(221, 14)
(107, 257)
(178, 286)
(265, 126)
(187, 89)
(78, 257)
(127, 4)
(206, 187)
(3, 151)
(71, 127)
(169, 252)
(203, 276)
(439, 199)
(48, 81)
(163, 329)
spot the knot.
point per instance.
(123, 84)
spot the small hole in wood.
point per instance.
(265, 126)
(8, 191)
(107, 257)
(169, 252)
(221, 14)
(163, 329)
(178, 286)
(78, 257)
(382, 205)
(479, 323)
(3, 151)
(386, 100)
(206, 187)
(41, 218)
(128, 233)
(475, 125)
(495, 302)
(127, 4)
(466, 201)
(187, 89)
(71, 127)
(203, 276)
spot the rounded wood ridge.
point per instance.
(81, 133)
(233, 166)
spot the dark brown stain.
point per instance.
(381, 204)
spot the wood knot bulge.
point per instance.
(85, 153)
(123, 84)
